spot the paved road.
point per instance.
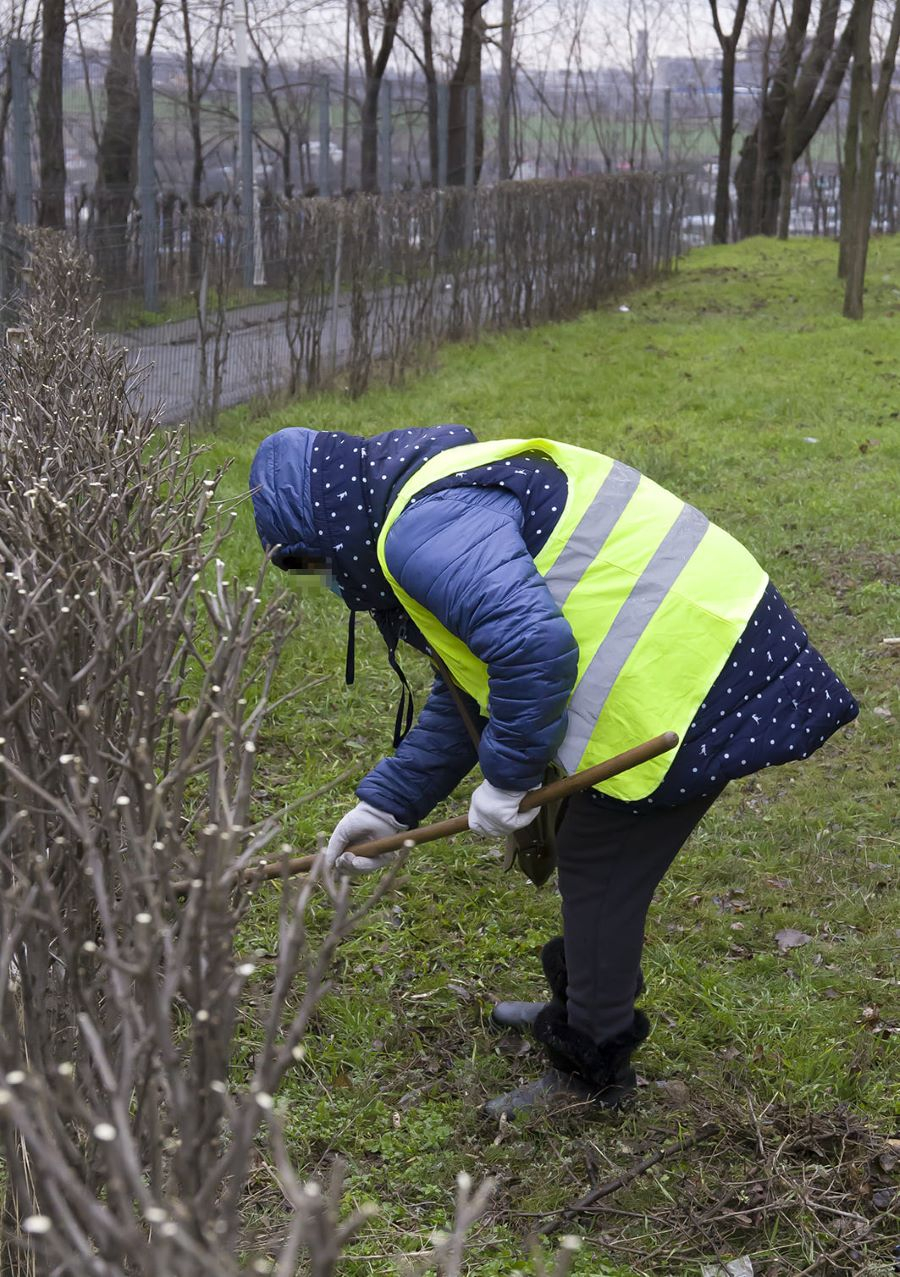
(258, 358)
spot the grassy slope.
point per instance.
(713, 382)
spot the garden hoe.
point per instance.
(556, 792)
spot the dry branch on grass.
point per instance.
(777, 1185)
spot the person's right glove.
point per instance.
(494, 813)
(362, 824)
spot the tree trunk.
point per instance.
(787, 161)
(368, 118)
(757, 181)
(504, 116)
(117, 156)
(859, 201)
(376, 65)
(871, 111)
(726, 138)
(849, 174)
(466, 73)
(812, 83)
(52, 194)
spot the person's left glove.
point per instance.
(362, 824)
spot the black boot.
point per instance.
(584, 1072)
(519, 1017)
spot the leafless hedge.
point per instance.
(134, 680)
(420, 268)
(378, 282)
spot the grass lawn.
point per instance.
(735, 383)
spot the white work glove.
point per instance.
(494, 813)
(362, 824)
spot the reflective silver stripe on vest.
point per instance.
(631, 620)
(592, 531)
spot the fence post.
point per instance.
(469, 176)
(21, 121)
(667, 128)
(336, 291)
(245, 120)
(471, 108)
(147, 184)
(443, 122)
(324, 137)
(384, 139)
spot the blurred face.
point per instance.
(305, 564)
(312, 568)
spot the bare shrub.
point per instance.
(212, 234)
(311, 266)
(134, 680)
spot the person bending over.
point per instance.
(581, 609)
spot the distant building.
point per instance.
(688, 74)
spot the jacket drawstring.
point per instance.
(405, 708)
(392, 630)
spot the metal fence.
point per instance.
(244, 138)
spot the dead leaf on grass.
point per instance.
(791, 938)
(882, 711)
(674, 1092)
(781, 883)
(742, 1267)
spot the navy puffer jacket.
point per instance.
(465, 549)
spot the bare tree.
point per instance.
(202, 32)
(276, 32)
(15, 23)
(728, 43)
(425, 57)
(809, 70)
(861, 152)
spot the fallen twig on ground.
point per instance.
(707, 1131)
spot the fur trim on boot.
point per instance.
(604, 1066)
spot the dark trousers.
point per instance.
(611, 861)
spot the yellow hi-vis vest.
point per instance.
(655, 594)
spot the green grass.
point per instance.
(715, 382)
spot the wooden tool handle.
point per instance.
(553, 792)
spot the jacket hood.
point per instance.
(329, 492)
